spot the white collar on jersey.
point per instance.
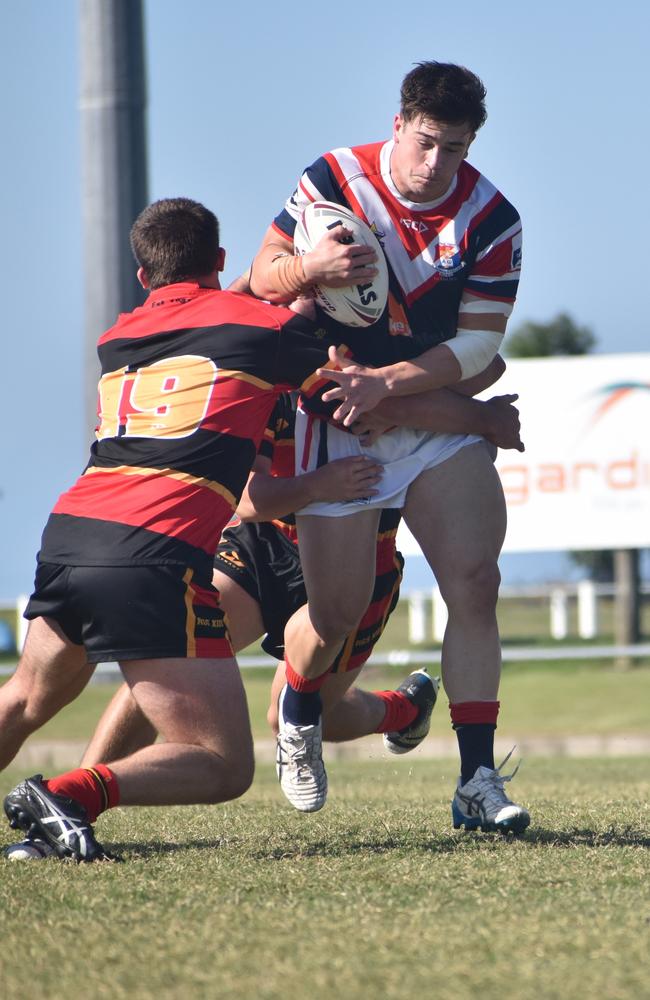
(413, 206)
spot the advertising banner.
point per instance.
(584, 480)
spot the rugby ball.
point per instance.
(352, 305)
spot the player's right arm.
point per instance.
(279, 276)
(266, 497)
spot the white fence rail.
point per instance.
(429, 657)
(427, 619)
(428, 612)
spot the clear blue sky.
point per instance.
(241, 97)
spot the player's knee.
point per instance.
(241, 779)
(15, 707)
(332, 623)
(231, 777)
(30, 708)
(474, 588)
(330, 632)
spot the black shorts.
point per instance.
(265, 563)
(132, 612)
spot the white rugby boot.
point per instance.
(299, 763)
(482, 803)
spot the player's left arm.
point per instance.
(482, 381)
(485, 306)
(437, 410)
(456, 361)
(449, 411)
(360, 388)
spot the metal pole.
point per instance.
(627, 629)
(112, 104)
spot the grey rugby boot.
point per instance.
(481, 803)
(422, 691)
(60, 822)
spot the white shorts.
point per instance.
(404, 453)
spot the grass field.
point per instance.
(376, 896)
(546, 700)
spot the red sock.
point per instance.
(304, 684)
(95, 788)
(400, 712)
(474, 722)
(474, 713)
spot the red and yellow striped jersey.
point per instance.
(188, 382)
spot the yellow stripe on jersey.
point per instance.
(190, 619)
(389, 603)
(244, 377)
(183, 477)
(383, 535)
(311, 380)
(348, 649)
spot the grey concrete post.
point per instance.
(112, 106)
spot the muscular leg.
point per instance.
(123, 728)
(51, 672)
(456, 511)
(199, 708)
(338, 562)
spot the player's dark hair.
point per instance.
(175, 239)
(445, 92)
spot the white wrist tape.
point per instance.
(474, 350)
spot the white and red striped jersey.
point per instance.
(452, 262)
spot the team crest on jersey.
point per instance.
(449, 260)
(378, 233)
